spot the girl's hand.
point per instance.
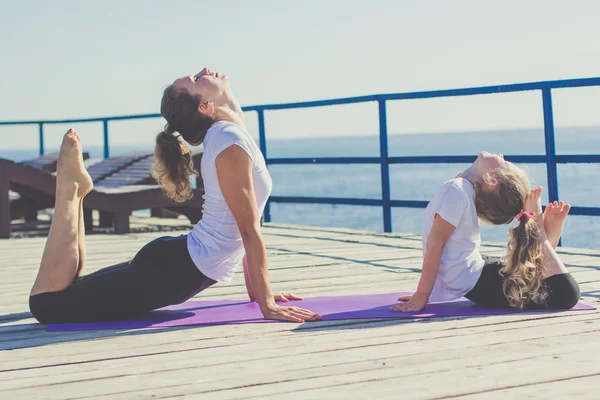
(286, 297)
(414, 303)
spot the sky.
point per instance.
(77, 59)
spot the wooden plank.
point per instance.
(350, 359)
(439, 354)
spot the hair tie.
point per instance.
(519, 215)
(172, 132)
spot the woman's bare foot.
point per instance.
(554, 218)
(70, 168)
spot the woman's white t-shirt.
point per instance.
(461, 263)
(215, 244)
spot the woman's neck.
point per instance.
(229, 116)
(229, 110)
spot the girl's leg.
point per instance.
(553, 225)
(563, 290)
(61, 257)
(554, 218)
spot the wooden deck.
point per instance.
(530, 355)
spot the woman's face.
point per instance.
(209, 85)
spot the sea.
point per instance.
(579, 184)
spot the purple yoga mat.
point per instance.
(221, 312)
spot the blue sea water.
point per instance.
(579, 184)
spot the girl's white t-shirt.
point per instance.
(215, 244)
(461, 263)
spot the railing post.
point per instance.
(385, 167)
(106, 149)
(550, 146)
(551, 169)
(262, 139)
(41, 135)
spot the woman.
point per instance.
(169, 270)
(531, 275)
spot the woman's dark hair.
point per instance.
(174, 164)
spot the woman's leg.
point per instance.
(61, 256)
(81, 241)
(160, 274)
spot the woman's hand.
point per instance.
(287, 313)
(414, 303)
(286, 297)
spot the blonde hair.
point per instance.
(173, 166)
(524, 271)
(523, 274)
(500, 205)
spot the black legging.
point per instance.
(563, 290)
(161, 273)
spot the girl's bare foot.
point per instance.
(70, 168)
(533, 201)
(554, 218)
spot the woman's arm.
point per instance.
(438, 236)
(234, 172)
(284, 297)
(247, 280)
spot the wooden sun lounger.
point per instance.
(139, 173)
(48, 162)
(28, 204)
(109, 166)
(120, 202)
(26, 207)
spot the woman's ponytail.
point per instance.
(174, 166)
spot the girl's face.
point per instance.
(487, 162)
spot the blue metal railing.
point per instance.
(551, 159)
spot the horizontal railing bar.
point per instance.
(325, 160)
(326, 200)
(516, 87)
(410, 203)
(578, 158)
(525, 159)
(72, 121)
(584, 211)
(528, 159)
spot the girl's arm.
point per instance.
(234, 172)
(438, 236)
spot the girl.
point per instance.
(531, 276)
(199, 109)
